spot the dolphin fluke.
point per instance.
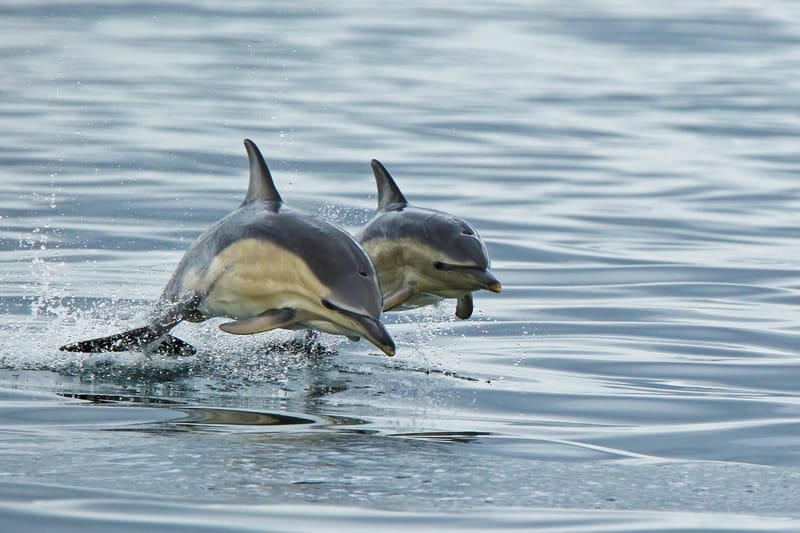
(175, 347)
(261, 186)
(389, 195)
(134, 340)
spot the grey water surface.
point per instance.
(633, 167)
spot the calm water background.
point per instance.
(633, 167)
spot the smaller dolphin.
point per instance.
(423, 255)
(266, 266)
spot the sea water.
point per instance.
(632, 166)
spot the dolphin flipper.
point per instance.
(134, 340)
(392, 300)
(464, 306)
(269, 319)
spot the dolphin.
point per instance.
(423, 255)
(265, 266)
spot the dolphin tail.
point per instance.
(147, 338)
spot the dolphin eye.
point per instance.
(467, 231)
(438, 265)
(327, 303)
(362, 273)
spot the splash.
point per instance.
(48, 317)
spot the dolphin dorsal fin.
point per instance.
(261, 185)
(389, 195)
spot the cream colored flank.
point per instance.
(253, 275)
(407, 276)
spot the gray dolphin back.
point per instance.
(349, 276)
(438, 229)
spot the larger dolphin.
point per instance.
(266, 266)
(423, 255)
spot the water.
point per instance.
(632, 167)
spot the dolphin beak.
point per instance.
(486, 280)
(376, 333)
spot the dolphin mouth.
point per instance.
(376, 333)
(481, 276)
(485, 279)
(369, 328)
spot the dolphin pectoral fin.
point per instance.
(269, 319)
(390, 301)
(464, 306)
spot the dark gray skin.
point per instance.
(423, 255)
(267, 266)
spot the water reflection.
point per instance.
(207, 417)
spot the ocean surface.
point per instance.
(633, 167)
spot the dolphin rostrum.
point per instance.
(266, 266)
(423, 255)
